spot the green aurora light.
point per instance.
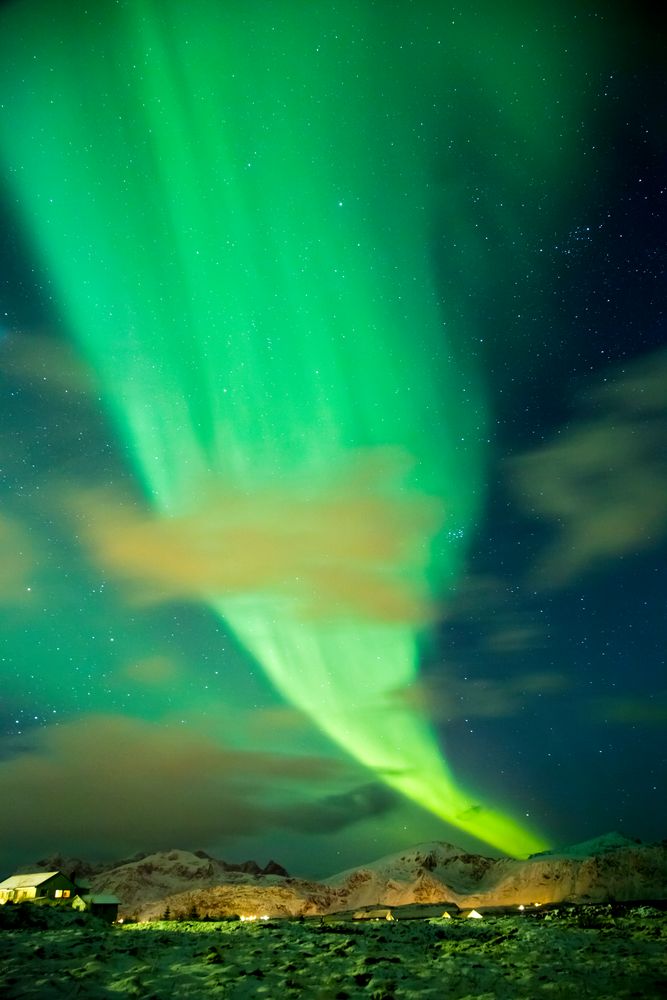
(237, 210)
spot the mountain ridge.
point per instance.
(604, 869)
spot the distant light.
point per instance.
(521, 906)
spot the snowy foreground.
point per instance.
(585, 953)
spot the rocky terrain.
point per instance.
(184, 883)
(600, 948)
(608, 868)
(601, 953)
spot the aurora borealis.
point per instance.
(271, 261)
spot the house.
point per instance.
(425, 911)
(373, 913)
(55, 887)
(100, 904)
(37, 885)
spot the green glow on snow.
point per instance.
(237, 209)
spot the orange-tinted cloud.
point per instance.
(152, 671)
(603, 482)
(359, 548)
(111, 783)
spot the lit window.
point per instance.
(62, 893)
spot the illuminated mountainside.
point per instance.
(610, 867)
(605, 869)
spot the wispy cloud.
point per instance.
(493, 607)
(150, 671)
(631, 710)
(358, 547)
(602, 483)
(18, 561)
(448, 699)
(47, 361)
(332, 813)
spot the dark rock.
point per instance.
(362, 978)
(273, 868)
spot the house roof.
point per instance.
(26, 881)
(101, 897)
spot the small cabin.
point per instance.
(373, 913)
(37, 885)
(100, 904)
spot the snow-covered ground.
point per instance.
(587, 953)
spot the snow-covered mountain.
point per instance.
(158, 876)
(151, 878)
(608, 868)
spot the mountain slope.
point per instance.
(608, 868)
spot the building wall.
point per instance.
(16, 895)
(55, 888)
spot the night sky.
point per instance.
(333, 427)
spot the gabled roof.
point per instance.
(26, 881)
(101, 897)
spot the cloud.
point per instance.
(336, 812)
(603, 483)
(46, 361)
(485, 609)
(448, 699)
(632, 711)
(105, 784)
(18, 561)
(282, 720)
(514, 639)
(358, 548)
(151, 671)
